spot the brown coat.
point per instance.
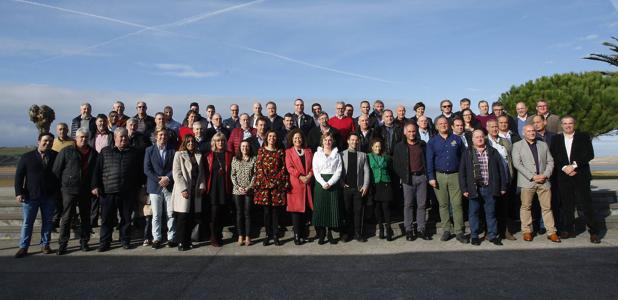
(181, 170)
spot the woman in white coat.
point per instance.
(188, 172)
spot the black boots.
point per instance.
(389, 233)
(321, 231)
(381, 234)
(331, 239)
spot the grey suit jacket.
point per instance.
(523, 161)
(362, 168)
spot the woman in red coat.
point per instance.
(218, 184)
(298, 162)
(270, 185)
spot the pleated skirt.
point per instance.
(327, 205)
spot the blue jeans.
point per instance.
(161, 203)
(30, 209)
(488, 202)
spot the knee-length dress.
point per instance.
(271, 178)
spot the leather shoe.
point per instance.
(564, 235)
(496, 242)
(509, 236)
(62, 250)
(103, 247)
(595, 239)
(424, 235)
(542, 231)
(359, 238)
(171, 244)
(22, 252)
(475, 241)
(554, 238)
(84, 247)
(446, 236)
(46, 250)
(156, 244)
(126, 246)
(461, 238)
(410, 236)
(528, 236)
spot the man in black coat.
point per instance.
(390, 133)
(315, 134)
(410, 159)
(482, 179)
(217, 126)
(572, 152)
(365, 133)
(36, 187)
(117, 178)
(74, 167)
(302, 120)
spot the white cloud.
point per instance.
(590, 37)
(185, 71)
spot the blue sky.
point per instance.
(62, 53)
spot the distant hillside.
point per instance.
(10, 155)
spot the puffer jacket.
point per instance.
(117, 171)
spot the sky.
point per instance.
(63, 53)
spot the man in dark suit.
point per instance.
(542, 133)
(302, 120)
(389, 132)
(158, 169)
(217, 126)
(74, 167)
(275, 121)
(36, 187)
(365, 133)
(572, 152)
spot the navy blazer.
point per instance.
(155, 166)
(32, 179)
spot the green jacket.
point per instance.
(381, 166)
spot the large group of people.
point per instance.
(172, 178)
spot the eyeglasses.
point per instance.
(141, 107)
(445, 106)
(467, 115)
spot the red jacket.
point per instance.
(228, 168)
(235, 138)
(299, 193)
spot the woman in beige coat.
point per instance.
(188, 172)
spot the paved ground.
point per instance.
(377, 269)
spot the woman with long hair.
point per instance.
(243, 176)
(218, 184)
(188, 173)
(327, 168)
(271, 184)
(381, 168)
(298, 161)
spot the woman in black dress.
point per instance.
(218, 184)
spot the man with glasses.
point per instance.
(553, 120)
(446, 107)
(145, 123)
(233, 121)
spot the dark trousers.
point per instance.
(95, 212)
(82, 201)
(184, 226)
(576, 193)
(112, 204)
(271, 220)
(383, 212)
(353, 204)
(243, 214)
(215, 220)
(415, 193)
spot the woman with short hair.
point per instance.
(298, 161)
(327, 168)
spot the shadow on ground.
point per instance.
(550, 274)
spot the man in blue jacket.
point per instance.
(158, 169)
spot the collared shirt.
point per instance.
(161, 151)
(443, 155)
(85, 123)
(101, 141)
(464, 140)
(506, 135)
(495, 143)
(260, 140)
(424, 135)
(483, 164)
(568, 144)
(323, 164)
(246, 133)
(173, 125)
(535, 155)
(520, 124)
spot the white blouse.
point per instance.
(323, 164)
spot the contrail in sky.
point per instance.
(183, 22)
